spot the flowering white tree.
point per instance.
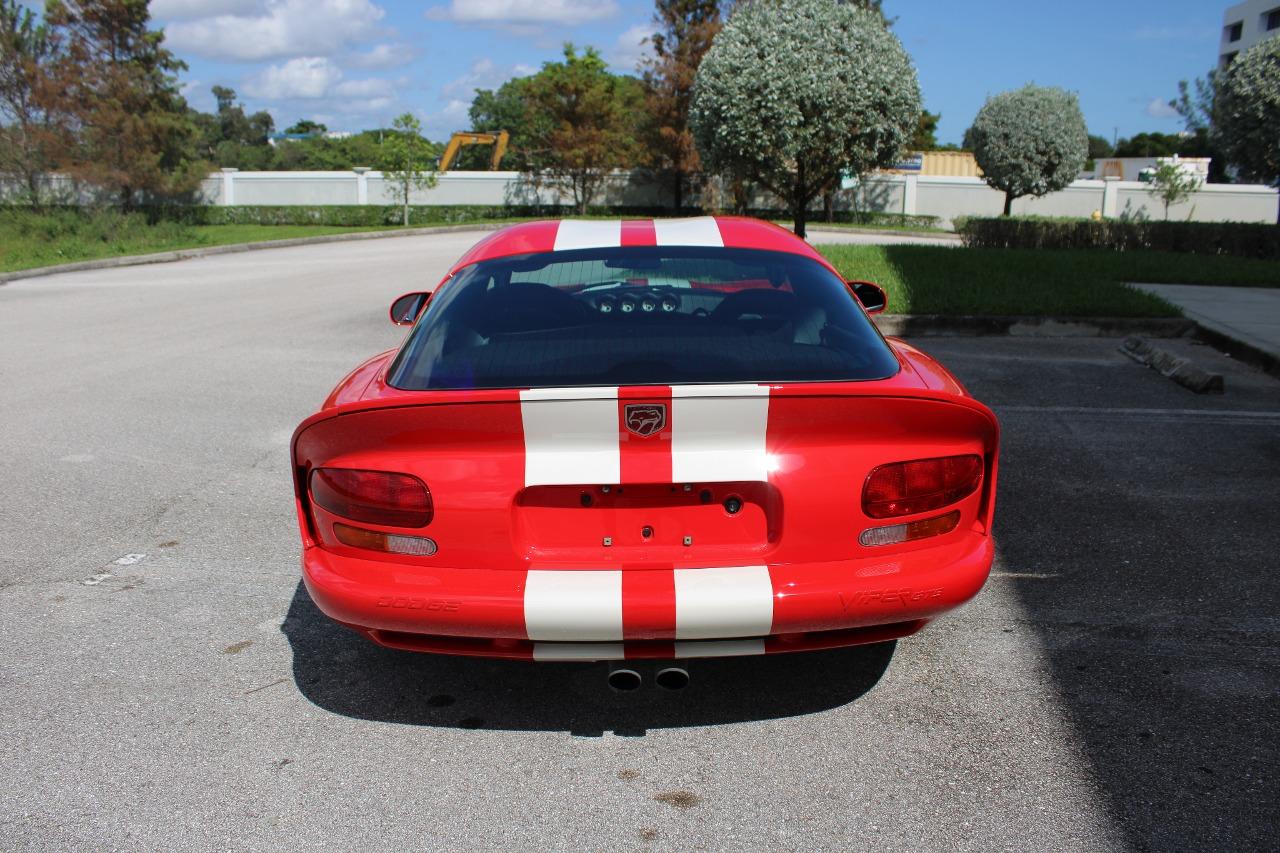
(793, 93)
(1031, 141)
(1246, 111)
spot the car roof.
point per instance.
(558, 235)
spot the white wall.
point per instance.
(944, 197)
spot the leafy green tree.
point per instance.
(32, 124)
(505, 108)
(685, 31)
(1149, 145)
(926, 136)
(1173, 183)
(306, 126)
(793, 93)
(229, 137)
(1099, 147)
(407, 159)
(135, 135)
(1031, 141)
(1245, 112)
(318, 154)
(583, 122)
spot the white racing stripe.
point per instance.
(720, 603)
(570, 436)
(573, 606)
(718, 433)
(698, 231)
(592, 234)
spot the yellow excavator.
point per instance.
(498, 140)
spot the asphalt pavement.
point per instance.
(165, 683)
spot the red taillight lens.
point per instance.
(905, 488)
(376, 497)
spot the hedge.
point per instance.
(1246, 240)
(378, 215)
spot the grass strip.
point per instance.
(1037, 282)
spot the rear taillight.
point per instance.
(376, 497)
(905, 488)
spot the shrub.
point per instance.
(1242, 239)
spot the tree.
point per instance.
(135, 134)
(1172, 182)
(583, 122)
(795, 93)
(1150, 145)
(32, 130)
(1099, 147)
(1245, 112)
(407, 159)
(925, 137)
(307, 127)
(1031, 141)
(1195, 105)
(230, 137)
(506, 108)
(686, 28)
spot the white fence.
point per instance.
(944, 197)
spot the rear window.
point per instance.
(641, 316)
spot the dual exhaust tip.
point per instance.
(628, 680)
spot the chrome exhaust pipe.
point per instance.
(672, 678)
(624, 680)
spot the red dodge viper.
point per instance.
(644, 439)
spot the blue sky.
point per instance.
(357, 63)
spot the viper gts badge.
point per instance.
(645, 419)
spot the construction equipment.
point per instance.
(498, 140)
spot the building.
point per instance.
(1246, 24)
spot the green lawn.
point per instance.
(27, 242)
(1060, 283)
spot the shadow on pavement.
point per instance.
(1142, 546)
(347, 674)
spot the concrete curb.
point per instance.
(1181, 370)
(235, 248)
(1264, 360)
(938, 325)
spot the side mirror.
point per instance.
(871, 295)
(406, 310)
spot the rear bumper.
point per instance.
(649, 613)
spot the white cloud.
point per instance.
(1159, 108)
(484, 74)
(372, 88)
(453, 116)
(382, 56)
(178, 10)
(278, 28)
(505, 13)
(631, 47)
(304, 77)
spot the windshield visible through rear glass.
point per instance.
(641, 316)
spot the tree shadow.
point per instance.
(343, 672)
(1130, 546)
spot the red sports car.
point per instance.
(644, 439)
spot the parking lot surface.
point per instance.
(165, 682)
